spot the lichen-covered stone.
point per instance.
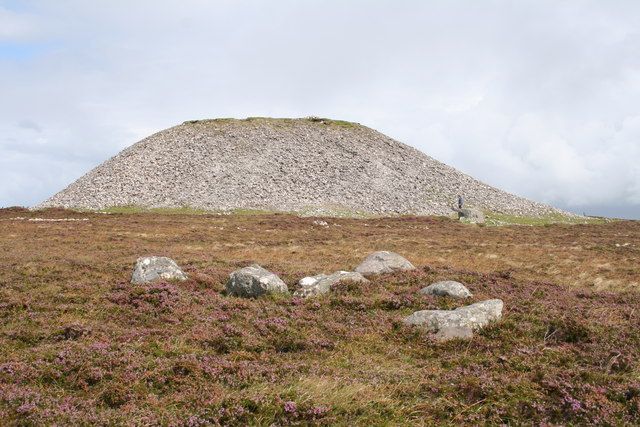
(474, 316)
(149, 269)
(383, 262)
(453, 332)
(321, 284)
(254, 281)
(447, 288)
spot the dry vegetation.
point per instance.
(80, 345)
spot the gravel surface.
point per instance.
(311, 166)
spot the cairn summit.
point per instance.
(307, 165)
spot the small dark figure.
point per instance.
(460, 202)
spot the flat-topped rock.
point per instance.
(384, 262)
(149, 269)
(321, 284)
(447, 288)
(254, 281)
(474, 316)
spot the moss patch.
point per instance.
(497, 219)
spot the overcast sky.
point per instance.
(540, 98)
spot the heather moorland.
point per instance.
(79, 344)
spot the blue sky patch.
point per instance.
(22, 51)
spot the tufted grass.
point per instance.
(497, 219)
(277, 120)
(185, 210)
(492, 219)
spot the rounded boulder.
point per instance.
(447, 288)
(384, 262)
(149, 269)
(254, 281)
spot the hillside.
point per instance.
(81, 345)
(292, 165)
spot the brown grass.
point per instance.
(79, 344)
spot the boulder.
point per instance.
(452, 332)
(149, 269)
(254, 281)
(383, 262)
(311, 280)
(473, 317)
(321, 284)
(447, 288)
(472, 215)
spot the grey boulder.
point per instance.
(472, 215)
(472, 317)
(321, 283)
(254, 281)
(447, 288)
(383, 262)
(452, 332)
(149, 269)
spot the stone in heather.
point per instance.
(311, 280)
(383, 262)
(254, 281)
(472, 215)
(474, 316)
(453, 332)
(321, 284)
(149, 269)
(447, 288)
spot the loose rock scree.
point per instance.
(306, 166)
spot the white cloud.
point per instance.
(15, 26)
(9, 30)
(539, 98)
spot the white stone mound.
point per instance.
(291, 165)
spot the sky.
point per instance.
(539, 98)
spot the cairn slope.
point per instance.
(314, 166)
